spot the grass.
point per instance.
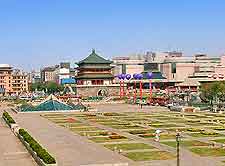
(219, 140)
(153, 155)
(106, 139)
(91, 133)
(186, 143)
(206, 151)
(205, 135)
(129, 146)
(85, 128)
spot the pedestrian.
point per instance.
(157, 135)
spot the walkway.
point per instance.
(12, 151)
(69, 149)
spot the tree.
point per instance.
(49, 87)
(213, 93)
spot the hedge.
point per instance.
(8, 118)
(36, 147)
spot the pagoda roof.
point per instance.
(94, 58)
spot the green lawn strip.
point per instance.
(154, 155)
(85, 128)
(94, 133)
(219, 141)
(126, 127)
(162, 136)
(198, 134)
(206, 151)
(138, 131)
(106, 139)
(186, 143)
(71, 125)
(129, 146)
(164, 125)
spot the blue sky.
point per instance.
(34, 34)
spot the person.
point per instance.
(157, 135)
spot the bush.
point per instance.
(116, 137)
(36, 147)
(138, 132)
(208, 133)
(195, 130)
(8, 118)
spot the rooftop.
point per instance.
(94, 58)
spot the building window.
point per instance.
(173, 67)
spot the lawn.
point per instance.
(153, 155)
(129, 146)
(106, 139)
(199, 134)
(85, 128)
(206, 151)
(219, 140)
(186, 143)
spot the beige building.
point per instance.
(177, 69)
(127, 65)
(12, 81)
(49, 74)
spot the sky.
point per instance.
(34, 34)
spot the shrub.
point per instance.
(8, 118)
(36, 147)
(195, 130)
(116, 137)
(138, 132)
(208, 133)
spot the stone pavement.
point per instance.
(69, 148)
(12, 151)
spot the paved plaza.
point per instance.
(12, 151)
(124, 134)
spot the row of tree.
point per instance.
(49, 87)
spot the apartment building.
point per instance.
(12, 81)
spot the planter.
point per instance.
(9, 124)
(39, 161)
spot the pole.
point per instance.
(120, 90)
(150, 91)
(134, 91)
(140, 91)
(123, 89)
(178, 149)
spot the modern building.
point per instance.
(12, 81)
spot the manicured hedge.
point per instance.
(8, 118)
(35, 146)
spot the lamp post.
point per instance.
(140, 76)
(123, 77)
(178, 148)
(135, 86)
(119, 77)
(149, 76)
(128, 77)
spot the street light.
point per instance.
(135, 86)
(140, 76)
(149, 76)
(128, 77)
(178, 148)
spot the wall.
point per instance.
(93, 90)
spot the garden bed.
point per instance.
(129, 146)
(206, 151)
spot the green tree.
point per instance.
(213, 93)
(53, 87)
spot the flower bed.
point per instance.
(41, 156)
